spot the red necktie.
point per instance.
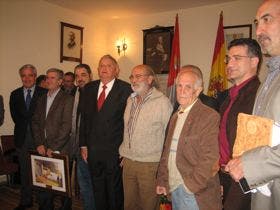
(101, 98)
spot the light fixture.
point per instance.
(121, 46)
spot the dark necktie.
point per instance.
(101, 98)
(28, 98)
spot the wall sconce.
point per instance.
(121, 47)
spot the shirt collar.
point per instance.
(273, 64)
(186, 109)
(31, 88)
(109, 85)
(54, 93)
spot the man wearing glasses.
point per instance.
(145, 119)
(243, 63)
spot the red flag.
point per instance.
(218, 80)
(174, 63)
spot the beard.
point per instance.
(139, 88)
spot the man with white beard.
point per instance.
(145, 119)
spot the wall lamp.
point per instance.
(121, 47)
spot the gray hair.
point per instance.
(196, 71)
(59, 72)
(112, 59)
(28, 66)
(150, 72)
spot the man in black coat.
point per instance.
(23, 101)
(101, 133)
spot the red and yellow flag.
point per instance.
(174, 63)
(218, 80)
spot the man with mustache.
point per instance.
(262, 165)
(145, 119)
(243, 61)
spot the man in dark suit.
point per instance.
(101, 133)
(51, 125)
(23, 101)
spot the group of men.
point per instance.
(129, 147)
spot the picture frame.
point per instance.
(71, 43)
(50, 173)
(236, 32)
(157, 45)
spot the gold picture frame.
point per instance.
(71, 43)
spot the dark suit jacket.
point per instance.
(244, 103)
(20, 115)
(57, 124)
(197, 156)
(102, 132)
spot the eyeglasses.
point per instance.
(137, 76)
(235, 58)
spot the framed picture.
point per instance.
(157, 48)
(71, 43)
(50, 174)
(236, 32)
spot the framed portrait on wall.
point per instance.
(236, 32)
(157, 47)
(71, 43)
(50, 173)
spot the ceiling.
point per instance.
(113, 9)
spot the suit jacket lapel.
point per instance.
(189, 121)
(55, 103)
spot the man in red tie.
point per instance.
(101, 132)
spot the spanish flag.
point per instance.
(174, 64)
(218, 80)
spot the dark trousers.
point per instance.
(234, 198)
(106, 175)
(46, 199)
(24, 166)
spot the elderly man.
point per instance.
(23, 102)
(101, 133)
(262, 165)
(243, 61)
(145, 119)
(83, 76)
(51, 126)
(189, 163)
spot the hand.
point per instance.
(235, 168)
(41, 150)
(49, 152)
(84, 153)
(161, 190)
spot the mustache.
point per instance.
(262, 37)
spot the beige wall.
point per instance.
(30, 33)
(198, 28)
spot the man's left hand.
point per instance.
(235, 168)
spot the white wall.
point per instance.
(198, 28)
(30, 33)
